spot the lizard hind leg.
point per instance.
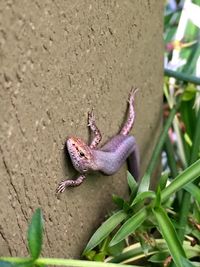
(131, 113)
(97, 134)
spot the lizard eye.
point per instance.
(81, 154)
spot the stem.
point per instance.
(171, 157)
(196, 142)
(144, 185)
(182, 76)
(63, 262)
(75, 263)
(180, 145)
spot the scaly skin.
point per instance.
(107, 159)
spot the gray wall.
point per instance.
(58, 59)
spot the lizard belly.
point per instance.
(111, 157)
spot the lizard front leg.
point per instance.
(97, 134)
(70, 183)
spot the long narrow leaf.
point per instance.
(196, 141)
(131, 182)
(171, 157)
(135, 251)
(187, 176)
(187, 263)
(105, 229)
(142, 196)
(169, 234)
(193, 190)
(129, 226)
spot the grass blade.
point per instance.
(129, 226)
(196, 141)
(187, 176)
(187, 263)
(131, 182)
(142, 196)
(169, 234)
(194, 191)
(105, 229)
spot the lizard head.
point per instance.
(80, 154)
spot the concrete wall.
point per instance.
(58, 59)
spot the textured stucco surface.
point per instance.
(58, 59)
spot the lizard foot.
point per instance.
(61, 187)
(94, 129)
(91, 118)
(68, 183)
(132, 94)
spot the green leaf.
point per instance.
(191, 55)
(159, 257)
(189, 93)
(90, 255)
(186, 263)
(134, 252)
(99, 256)
(158, 197)
(105, 229)
(163, 180)
(103, 246)
(144, 244)
(187, 139)
(121, 203)
(35, 234)
(187, 176)
(196, 140)
(196, 211)
(193, 190)
(142, 196)
(129, 226)
(118, 201)
(117, 249)
(169, 234)
(131, 182)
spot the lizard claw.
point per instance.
(134, 91)
(61, 187)
(132, 94)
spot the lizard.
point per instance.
(107, 159)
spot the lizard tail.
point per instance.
(134, 164)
